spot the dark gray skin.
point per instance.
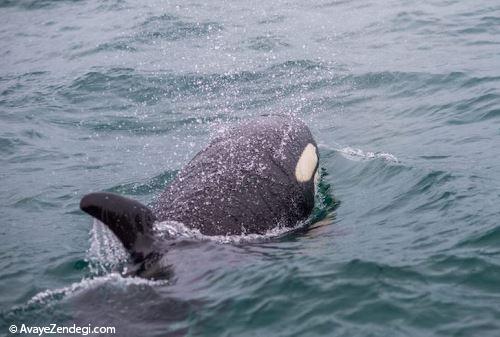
(243, 182)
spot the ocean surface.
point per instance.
(403, 98)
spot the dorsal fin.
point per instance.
(128, 219)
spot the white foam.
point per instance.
(360, 155)
(177, 230)
(356, 154)
(90, 283)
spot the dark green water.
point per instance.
(402, 96)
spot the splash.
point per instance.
(360, 155)
(356, 154)
(177, 230)
(105, 250)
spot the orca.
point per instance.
(251, 178)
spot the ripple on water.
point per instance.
(267, 43)
(172, 28)
(9, 146)
(152, 185)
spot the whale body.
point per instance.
(251, 178)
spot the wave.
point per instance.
(356, 154)
(52, 295)
(172, 28)
(486, 238)
(33, 4)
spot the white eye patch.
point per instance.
(306, 165)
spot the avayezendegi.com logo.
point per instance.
(56, 329)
